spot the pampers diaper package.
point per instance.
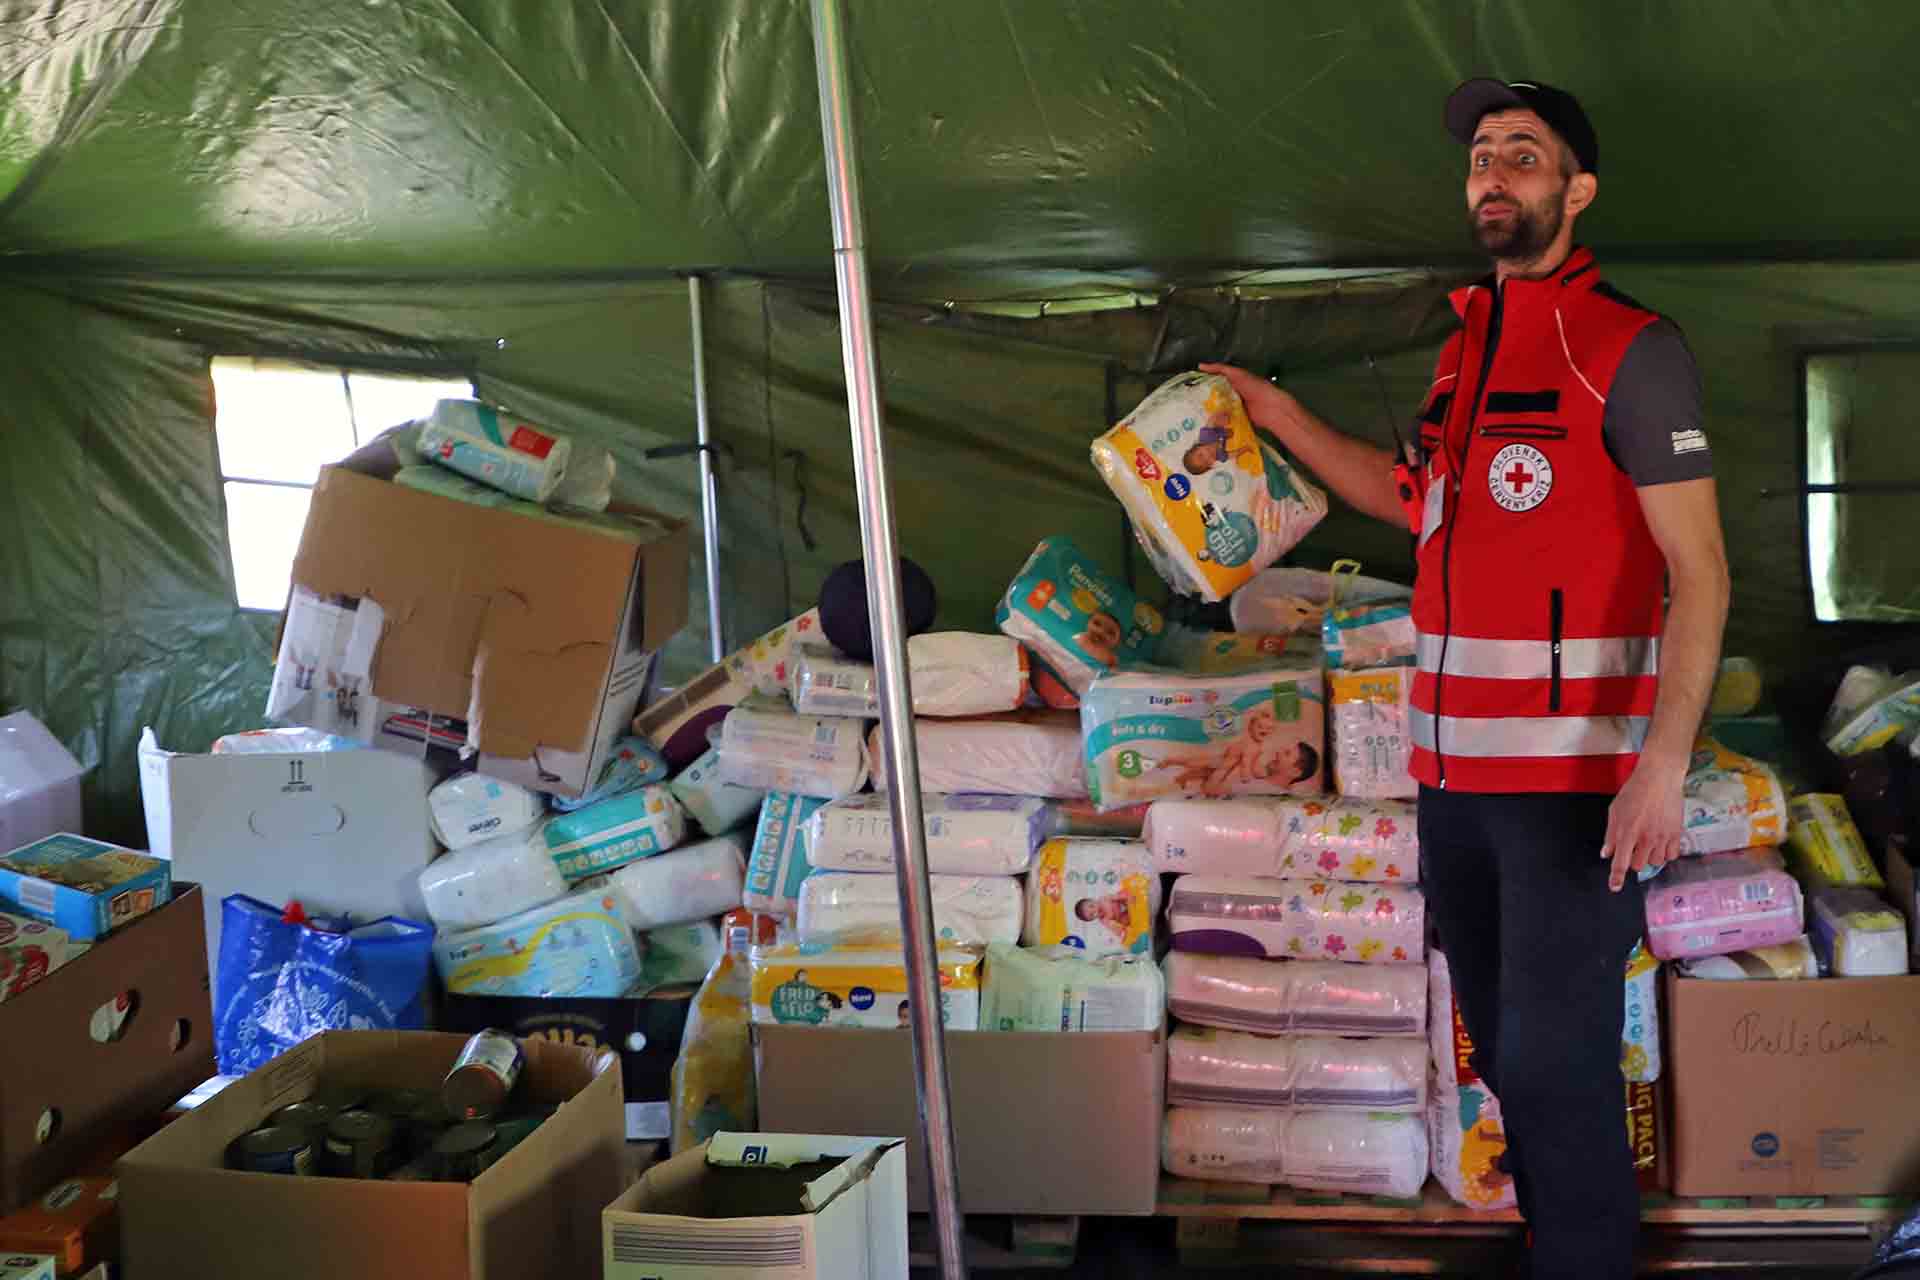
(1299, 997)
(1211, 503)
(1210, 1067)
(1732, 802)
(1372, 747)
(1368, 635)
(1149, 734)
(717, 806)
(634, 763)
(1076, 619)
(1059, 989)
(824, 756)
(778, 864)
(1722, 903)
(1363, 1152)
(857, 987)
(615, 832)
(1096, 896)
(1307, 919)
(852, 907)
(495, 448)
(966, 835)
(578, 946)
(1826, 846)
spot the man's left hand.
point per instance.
(1646, 820)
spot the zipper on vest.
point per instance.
(1553, 690)
(1446, 547)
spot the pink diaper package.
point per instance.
(1722, 903)
(1307, 919)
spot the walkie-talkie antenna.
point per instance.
(1405, 449)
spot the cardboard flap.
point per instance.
(850, 1172)
(785, 1150)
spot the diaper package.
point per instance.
(1150, 734)
(503, 452)
(778, 864)
(1357, 1152)
(1218, 653)
(824, 756)
(955, 673)
(1640, 1031)
(615, 832)
(1296, 600)
(578, 946)
(1372, 748)
(1368, 635)
(470, 807)
(1732, 802)
(1722, 903)
(1035, 753)
(274, 742)
(850, 907)
(966, 835)
(1307, 919)
(1240, 837)
(1786, 962)
(1211, 503)
(489, 881)
(634, 763)
(717, 806)
(1209, 1067)
(696, 882)
(1873, 708)
(857, 987)
(677, 954)
(679, 723)
(1096, 896)
(1855, 933)
(1825, 845)
(1466, 1133)
(1346, 839)
(1059, 989)
(1296, 997)
(1080, 818)
(1076, 619)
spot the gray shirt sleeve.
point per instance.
(1652, 425)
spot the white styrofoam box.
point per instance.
(39, 783)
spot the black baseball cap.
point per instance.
(1560, 109)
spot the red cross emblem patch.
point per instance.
(1520, 477)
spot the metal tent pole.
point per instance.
(709, 496)
(877, 537)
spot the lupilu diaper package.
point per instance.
(578, 946)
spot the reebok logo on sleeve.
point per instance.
(1689, 440)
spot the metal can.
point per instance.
(274, 1149)
(483, 1075)
(400, 1106)
(312, 1116)
(463, 1152)
(516, 1129)
(359, 1145)
(340, 1097)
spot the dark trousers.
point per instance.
(1537, 946)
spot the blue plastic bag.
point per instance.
(280, 983)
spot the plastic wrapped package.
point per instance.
(1732, 802)
(1211, 503)
(849, 907)
(297, 741)
(498, 450)
(1372, 748)
(822, 756)
(1096, 896)
(1151, 734)
(1032, 754)
(588, 482)
(1467, 1136)
(779, 864)
(857, 987)
(1243, 836)
(489, 881)
(1059, 989)
(1296, 997)
(712, 1084)
(955, 673)
(679, 723)
(578, 946)
(1872, 708)
(1080, 818)
(634, 764)
(966, 835)
(1210, 1067)
(717, 806)
(1294, 599)
(1786, 962)
(1362, 1153)
(1304, 919)
(1855, 933)
(1640, 1030)
(1722, 903)
(40, 781)
(1368, 635)
(696, 882)
(675, 954)
(1077, 620)
(1197, 652)
(1826, 846)
(609, 835)
(1347, 839)
(470, 807)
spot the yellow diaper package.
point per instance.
(1826, 847)
(857, 987)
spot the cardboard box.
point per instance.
(39, 783)
(345, 832)
(538, 634)
(1794, 1088)
(88, 888)
(1044, 1123)
(534, 1213)
(77, 1223)
(1905, 892)
(783, 1206)
(63, 1092)
(645, 1032)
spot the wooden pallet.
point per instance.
(1002, 1242)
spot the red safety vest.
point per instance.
(1539, 597)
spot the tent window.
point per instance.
(1862, 476)
(276, 424)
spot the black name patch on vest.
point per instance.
(1523, 402)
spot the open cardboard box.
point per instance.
(535, 1213)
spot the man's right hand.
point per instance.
(1267, 405)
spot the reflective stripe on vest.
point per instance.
(1584, 659)
(1512, 736)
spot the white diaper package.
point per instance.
(1150, 734)
(778, 864)
(1855, 933)
(857, 987)
(578, 946)
(1296, 997)
(1209, 1067)
(1305, 919)
(1344, 839)
(1732, 802)
(1284, 601)
(717, 806)
(695, 882)
(1099, 897)
(1872, 708)
(955, 673)
(823, 756)
(601, 837)
(1211, 503)
(495, 448)
(1358, 636)
(1059, 989)
(471, 807)
(1035, 753)
(1789, 961)
(1640, 1031)
(851, 907)
(1372, 749)
(1359, 1152)
(491, 880)
(1078, 621)
(1466, 1132)
(966, 835)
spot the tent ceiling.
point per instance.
(1010, 148)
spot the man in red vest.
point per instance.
(1560, 486)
